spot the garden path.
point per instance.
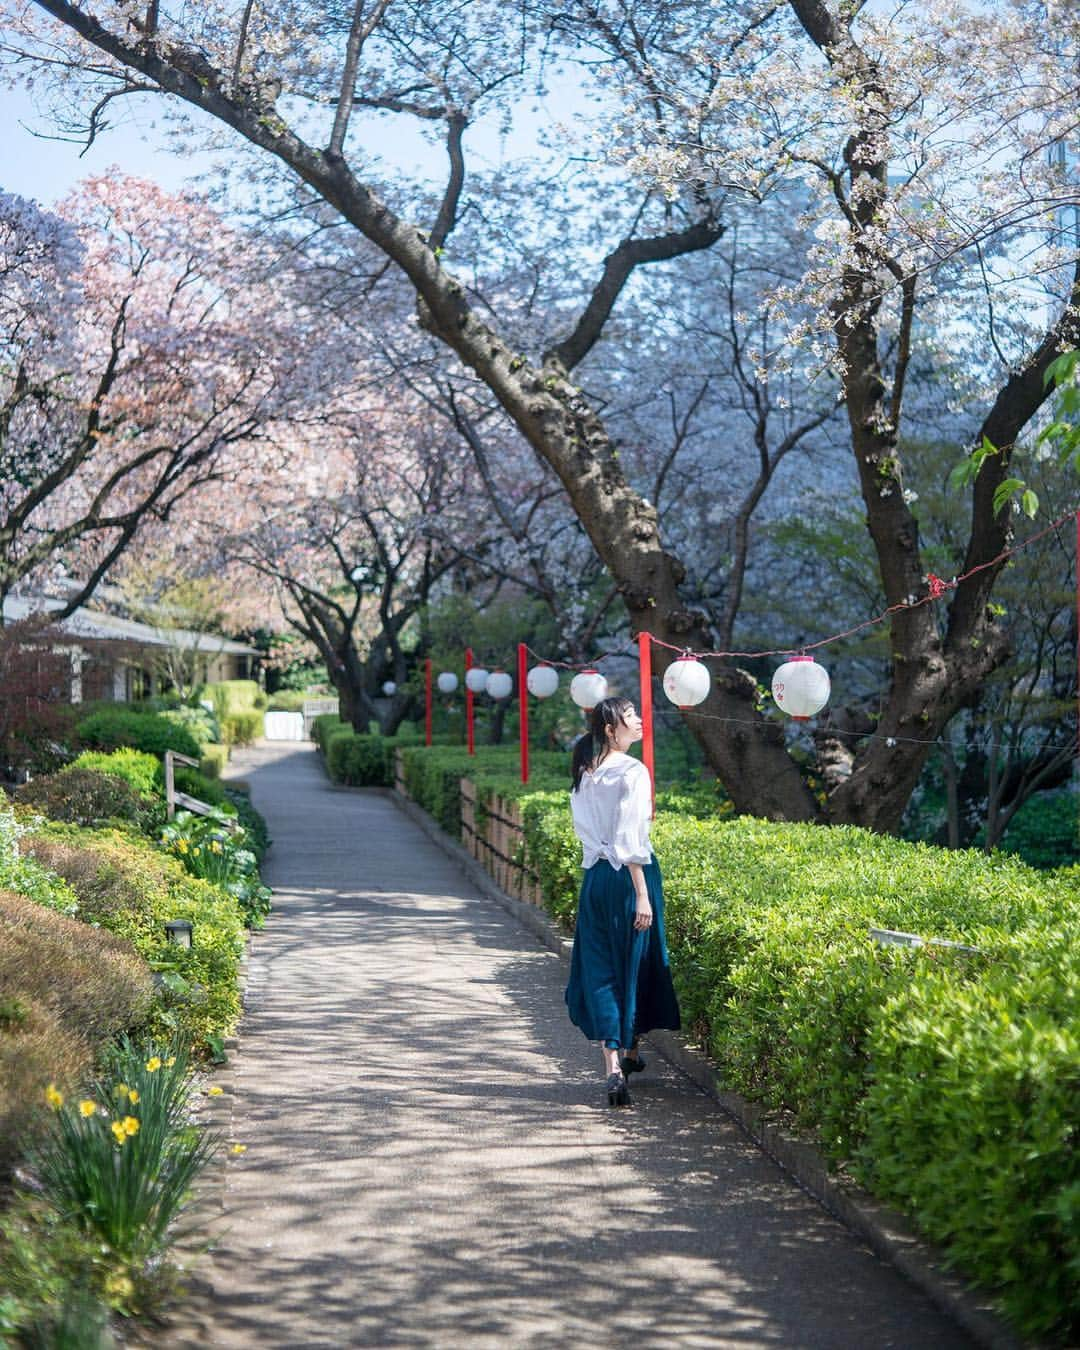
(428, 1162)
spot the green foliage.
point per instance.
(258, 836)
(1044, 831)
(360, 761)
(141, 770)
(215, 849)
(241, 728)
(201, 722)
(85, 797)
(128, 886)
(213, 760)
(235, 696)
(323, 725)
(197, 785)
(120, 1161)
(24, 875)
(115, 728)
(288, 700)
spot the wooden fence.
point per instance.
(493, 834)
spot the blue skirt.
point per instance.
(620, 981)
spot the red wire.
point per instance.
(938, 587)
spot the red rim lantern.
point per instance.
(801, 688)
(687, 682)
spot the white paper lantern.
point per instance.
(499, 684)
(588, 688)
(389, 688)
(686, 682)
(476, 679)
(447, 682)
(801, 687)
(542, 681)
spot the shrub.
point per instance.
(258, 836)
(213, 760)
(197, 785)
(213, 848)
(67, 989)
(84, 797)
(142, 771)
(287, 700)
(115, 728)
(25, 875)
(235, 696)
(360, 761)
(241, 728)
(201, 722)
(131, 888)
(323, 725)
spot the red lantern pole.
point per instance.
(523, 716)
(469, 741)
(644, 644)
(427, 701)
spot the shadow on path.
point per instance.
(428, 1161)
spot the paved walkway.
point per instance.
(428, 1162)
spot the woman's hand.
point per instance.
(642, 913)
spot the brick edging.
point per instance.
(885, 1231)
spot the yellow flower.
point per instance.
(170, 1061)
(196, 851)
(131, 1125)
(121, 1090)
(215, 847)
(182, 845)
(119, 1132)
(87, 1108)
(239, 1148)
(153, 1064)
(133, 1097)
(119, 1286)
(214, 1091)
(54, 1097)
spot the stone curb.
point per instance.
(886, 1232)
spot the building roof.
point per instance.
(95, 626)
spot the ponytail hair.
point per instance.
(591, 748)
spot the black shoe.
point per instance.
(629, 1064)
(618, 1094)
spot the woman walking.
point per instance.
(620, 984)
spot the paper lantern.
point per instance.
(542, 681)
(588, 688)
(476, 679)
(389, 688)
(801, 687)
(499, 684)
(447, 682)
(686, 682)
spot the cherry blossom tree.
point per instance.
(140, 356)
(916, 137)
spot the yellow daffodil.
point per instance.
(153, 1064)
(54, 1097)
(239, 1148)
(196, 850)
(119, 1286)
(119, 1133)
(87, 1108)
(170, 1061)
(215, 847)
(133, 1097)
(131, 1125)
(121, 1090)
(214, 1092)
(182, 845)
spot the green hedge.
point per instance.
(213, 760)
(117, 728)
(240, 728)
(141, 770)
(947, 1082)
(235, 696)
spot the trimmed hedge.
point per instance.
(235, 696)
(85, 797)
(947, 1081)
(241, 728)
(213, 760)
(117, 728)
(143, 772)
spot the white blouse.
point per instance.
(611, 809)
